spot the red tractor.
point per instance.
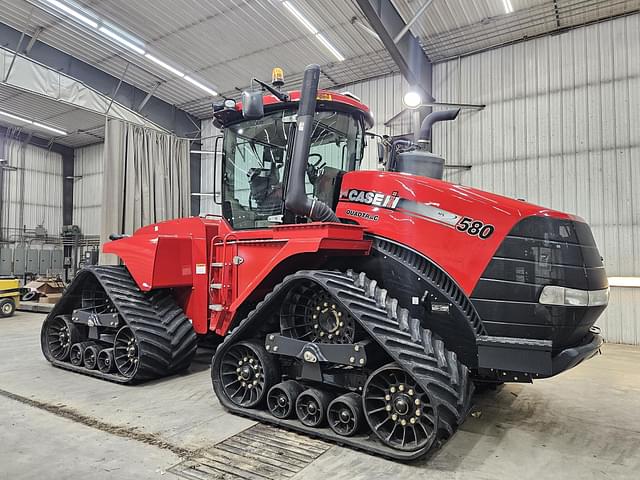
(358, 306)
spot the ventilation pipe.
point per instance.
(296, 199)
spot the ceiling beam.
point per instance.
(407, 52)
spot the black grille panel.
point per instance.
(540, 251)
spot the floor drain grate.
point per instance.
(257, 453)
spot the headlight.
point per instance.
(554, 295)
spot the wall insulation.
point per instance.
(561, 129)
(32, 190)
(87, 188)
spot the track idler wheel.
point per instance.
(398, 410)
(105, 360)
(281, 399)
(247, 372)
(76, 354)
(311, 407)
(59, 334)
(90, 356)
(126, 352)
(345, 414)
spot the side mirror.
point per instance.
(252, 106)
(380, 153)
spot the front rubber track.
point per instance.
(413, 348)
(166, 339)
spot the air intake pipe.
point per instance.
(296, 199)
(424, 134)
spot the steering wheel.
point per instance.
(314, 168)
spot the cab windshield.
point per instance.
(255, 153)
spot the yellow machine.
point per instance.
(9, 296)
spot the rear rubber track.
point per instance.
(165, 336)
(413, 348)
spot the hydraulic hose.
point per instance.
(296, 199)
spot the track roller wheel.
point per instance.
(247, 372)
(105, 360)
(281, 399)
(90, 356)
(126, 352)
(58, 335)
(398, 410)
(345, 414)
(311, 407)
(76, 354)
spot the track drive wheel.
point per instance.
(311, 407)
(246, 374)
(345, 414)
(58, 335)
(398, 410)
(281, 399)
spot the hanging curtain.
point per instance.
(146, 179)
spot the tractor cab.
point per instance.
(259, 135)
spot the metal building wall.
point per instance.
(383, 95)
(36, 184)
(87, 188)
(561, 129)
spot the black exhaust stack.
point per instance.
(424, 134)
(296, 199)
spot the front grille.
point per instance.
(540, 251)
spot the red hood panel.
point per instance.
(457, 227)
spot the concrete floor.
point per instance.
(55, 424)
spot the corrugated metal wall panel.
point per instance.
(383, 96)
(42, 197)
(561, 129)
(87, 188)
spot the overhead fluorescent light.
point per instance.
(74, 13)
(15, 117)
(31, 122)
(309, 26)
(210, 91)
(301, 18)
(507, 6)
(624, 281)
(47, 127)
(205, 152)
(121, 40)
(164, 65)
(330, 47)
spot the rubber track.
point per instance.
(166, 339)
(414, 348)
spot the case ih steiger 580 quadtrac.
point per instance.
(358, 306)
